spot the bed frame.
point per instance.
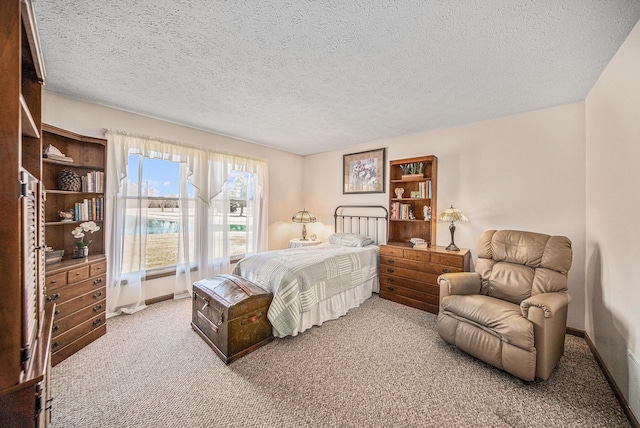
(368, 220)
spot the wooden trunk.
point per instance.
(230, 314)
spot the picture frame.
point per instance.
(364, 172)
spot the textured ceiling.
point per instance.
(312, 76)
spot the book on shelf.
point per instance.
(89, 209)
(93, 182)
(401, 211)
(424, 189)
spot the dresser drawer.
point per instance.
(61, 325)
(449, 260)
(98, 268)
(392, 261)
(408, 273)
(437, 269)
(422, 286)
(417, 255)
(63, 353)
(80, 330)
(71, 291)
(78, 274)
(51, 282)
(93, 299)
(409, 293)
(406, 253)
(388, 250)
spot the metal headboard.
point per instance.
(368, 220)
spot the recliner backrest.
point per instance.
(514, 265)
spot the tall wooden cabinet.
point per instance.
(408, 273)
(76, 285)
(25, 319)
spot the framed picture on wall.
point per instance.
(364, 172)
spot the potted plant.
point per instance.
(81, 250)
(412, 171)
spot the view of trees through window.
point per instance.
(158, 184)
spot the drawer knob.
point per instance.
(97, 281)
(97, 308)
(53, 281)
(445, 270)
(98, 294)
(390, 270)
(97, 321)
(392, 279)
(55, 328)
(78, 273)
(53, 297)
(54, 345)
(391, 288)
(391, 261)
(56, 313)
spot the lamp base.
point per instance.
(452, 246)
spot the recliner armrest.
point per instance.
(459, 283)
(550, 303)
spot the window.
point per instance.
(180, 210)
(153, 186)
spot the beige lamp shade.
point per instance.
(452, 215)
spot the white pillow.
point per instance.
(349, 240)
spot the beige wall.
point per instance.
(612, 231)
(524, 171)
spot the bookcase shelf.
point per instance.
(89, 155)
(407, 214)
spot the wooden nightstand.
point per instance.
(297, 242)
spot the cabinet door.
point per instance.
(32, 270)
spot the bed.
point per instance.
(314, 284)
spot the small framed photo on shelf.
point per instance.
(364, 172)
(415, 194)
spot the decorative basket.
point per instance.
(69, 180)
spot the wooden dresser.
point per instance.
(409, 276)
(78, 288)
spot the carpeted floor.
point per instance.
(382, 365)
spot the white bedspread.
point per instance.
(301, 278)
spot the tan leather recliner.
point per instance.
(512, 311)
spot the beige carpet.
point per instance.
(381, 365)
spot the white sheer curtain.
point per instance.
(203, 221)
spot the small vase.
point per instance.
(80, 252)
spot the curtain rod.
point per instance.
(177, 143)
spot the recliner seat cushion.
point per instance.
(499, 317)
